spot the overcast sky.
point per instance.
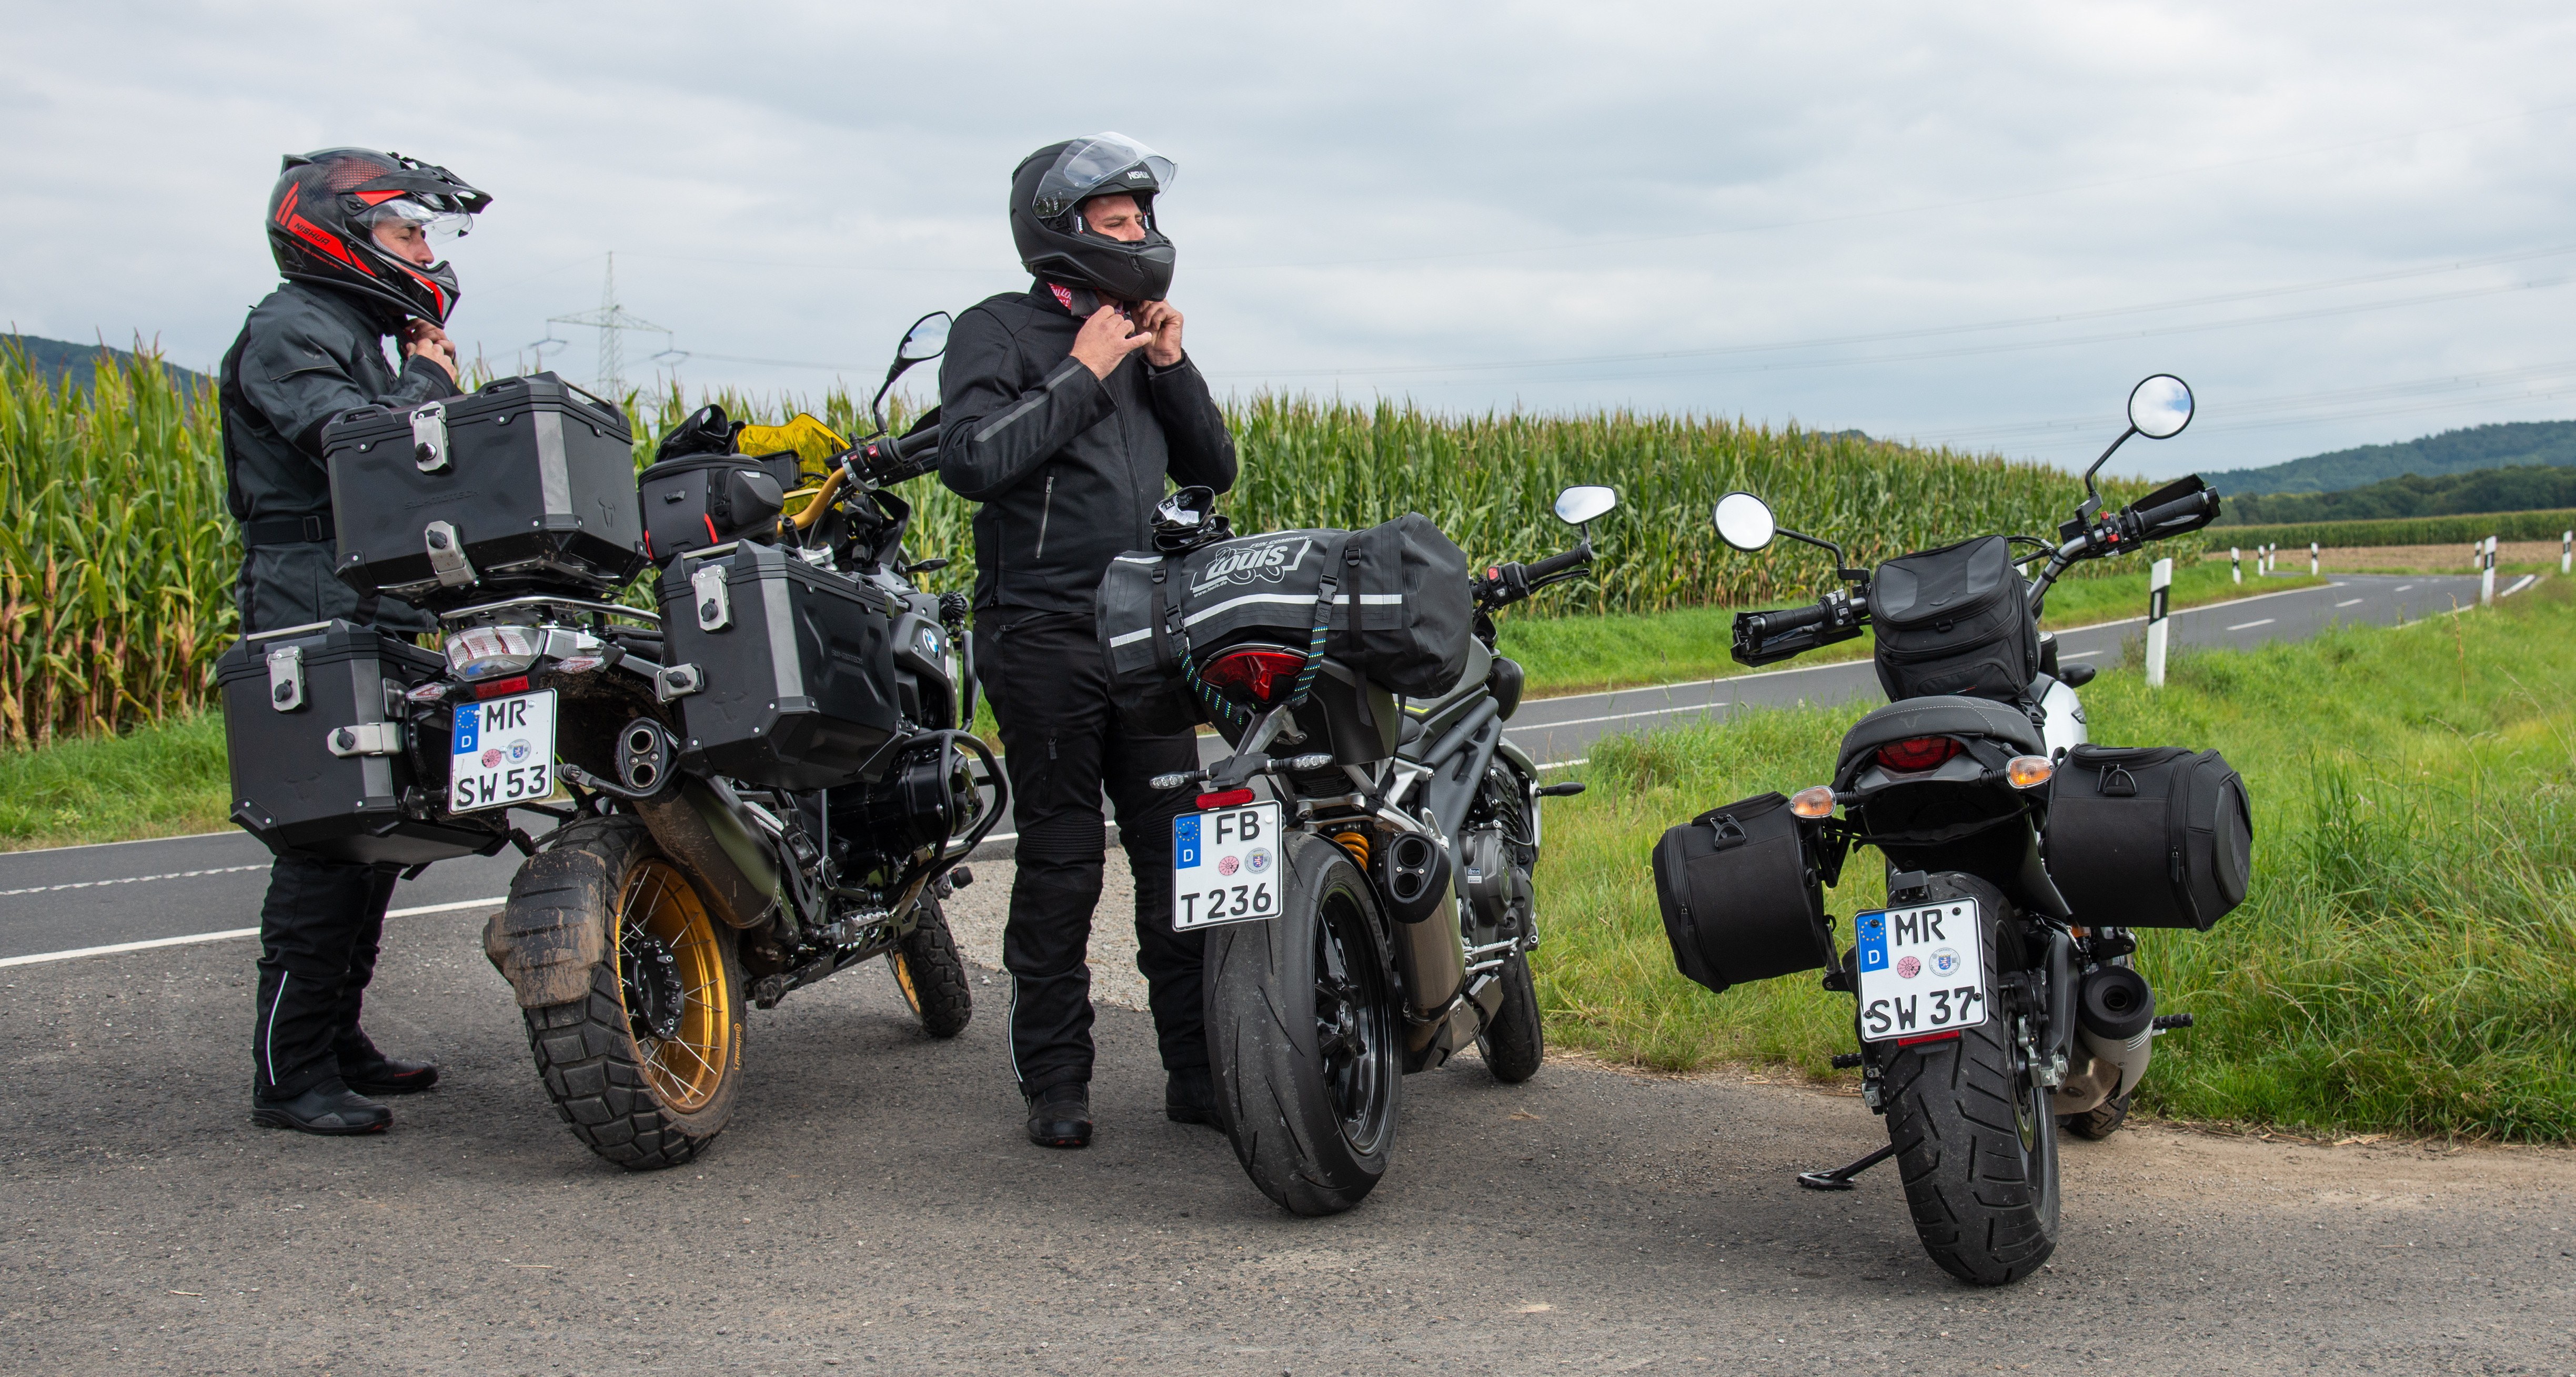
(2344, 222)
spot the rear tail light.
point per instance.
(1257, 677)
(1918, 753)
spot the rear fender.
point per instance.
(554, 928)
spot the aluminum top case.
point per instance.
(328, 759)
(784, 673)
(524, 484)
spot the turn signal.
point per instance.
(1816, 802)
(2028, 771)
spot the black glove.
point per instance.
(707, 431)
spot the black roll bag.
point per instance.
(1955, 620)
(2149, 837)
(326, 760)
(699, 500)
(784, 673)
(1395, 602)
(1742, 900)
(467, 499)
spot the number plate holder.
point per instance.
(1226, 866)
(1922, 970)
(501, 752)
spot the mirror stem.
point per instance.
(1840, 572)
(2092, 494)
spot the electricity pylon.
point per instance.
(611, 320)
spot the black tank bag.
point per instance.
(2150, 837)
(1741, 898)
(1954, 621)
(699, 500)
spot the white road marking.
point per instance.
(2404, 586)
(2078, 654)
(2519, 584)
(224, 936)
(2349, 602)
(2248, 626)
(135, 879)
(1613, 717)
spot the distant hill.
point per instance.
(55, 358)
(2524, 489)
(2514, 443)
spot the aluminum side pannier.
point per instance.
(1742, 899)
(2149, 837)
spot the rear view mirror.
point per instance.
(2160, 407)
(927, 339)
(1745, 522)
(1575, 506)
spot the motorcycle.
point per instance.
(1369, 907)
(1995, 1001)
(765, 782)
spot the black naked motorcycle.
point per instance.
(1362, 862)
(764, 782)
(1994, 998)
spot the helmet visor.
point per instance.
(1101, 165)
(437, 226)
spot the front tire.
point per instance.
(930, 973)
(645, 1067)
(2099, 1122)
(1975, 1139)
(1514, 1045)
(1303, 1036)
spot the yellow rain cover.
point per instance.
(812, 440)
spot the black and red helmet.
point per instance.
(328, 207)
(1047, 192)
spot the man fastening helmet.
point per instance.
(356, 235)
(1067, 439)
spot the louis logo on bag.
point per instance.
(1266, 562)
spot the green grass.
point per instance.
(162, 779)
(2406, 960)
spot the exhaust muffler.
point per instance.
(2114, 1036)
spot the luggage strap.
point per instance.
(289, 530)
(1169, 624)
(1324, 590)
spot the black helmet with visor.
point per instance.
(346, 218)
(1058, 245)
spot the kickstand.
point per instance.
(1839, 1179)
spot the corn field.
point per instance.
(117, 557)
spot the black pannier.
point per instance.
(324, 763)
(1954, 621)
(700, 500)
(784, 673)
(2150, 837)
(522, 482)
(1398, 611)
(1741, 899)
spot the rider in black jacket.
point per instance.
(352, 230)
(1067, 441)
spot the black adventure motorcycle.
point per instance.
(1994, 999)
(763, 783)
(1362, 861)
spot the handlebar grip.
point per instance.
(911, 446)
(1788, 619)
(1557, 564)
(2181, 510)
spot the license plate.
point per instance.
(1225, 866)
(1922, 970)
(502, 752)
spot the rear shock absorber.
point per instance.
(1357, 844)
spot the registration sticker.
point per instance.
(502, 752)
(1225, 866)
(1922, 970)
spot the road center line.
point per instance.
(225, 936)
(2349, 602)
(2248, 626)
(1614, 717)
(135, 879)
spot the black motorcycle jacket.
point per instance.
(307, 354)
(1068, 467)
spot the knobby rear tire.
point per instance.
(1975, 1141)
(1314, 1138)
(640, 1101)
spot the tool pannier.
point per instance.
(1394, 599)
(1954, 621)
(2150, 837)
(1741, 898)
(324, 763)
(523, 482)
(784, 673)
(700, 500)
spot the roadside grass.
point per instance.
(2406, 960)
(162, 779)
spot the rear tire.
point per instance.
(644, 1068)
(1303, 1036)
(1974, 1137)
(1514, 1045)
(2101, 1121)
(931, 975)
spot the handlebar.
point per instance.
(1505, 584)
(2192, 505)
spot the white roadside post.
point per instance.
(2486, 575)
(2236, 563)
(2159, 581)
(2567, 552)
(2312, 559)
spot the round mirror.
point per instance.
(2160, 407)
(1574, 506)
(927, 339)
(1745, 522)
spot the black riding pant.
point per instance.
(1063, 745)
(318, 934)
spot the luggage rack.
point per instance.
(550, 602)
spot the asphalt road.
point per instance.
(875, 1209)
(83, 897)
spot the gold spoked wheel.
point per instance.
(671, 977)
